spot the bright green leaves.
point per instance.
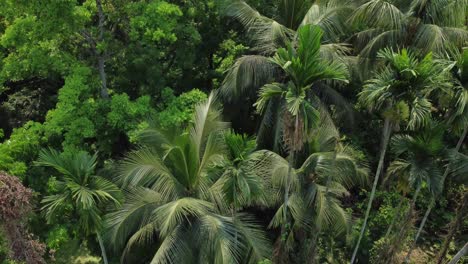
(21, 148)
(80, 118)
(36, 37)
(123, 112)
(156, 22)
(179, 110)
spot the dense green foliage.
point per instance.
(233, 131)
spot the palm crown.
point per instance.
(304, 67)
(403, 87)
(79, 186)
(172, 193)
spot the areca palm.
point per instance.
(421, 158)
(80, 188)
(325, 172)
(401, 92)
(457, 120)
(428, 26)
(250, 72)
(299, 108)
(172, 195)
(239, 182)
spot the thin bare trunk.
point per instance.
(395, 216)
(463, 251)
(103, 249)
(397, 240)
(386, 136)
(431, 205)
(461, 211)
(423, 222)
(102, 54)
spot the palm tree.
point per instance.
(172, 194)
(459, 169)
(80, 188)
(304, 68)
(399, 92)
(251, 72)
(435, 26)
(327, 171)
(458, 121)
(420, 159)
(239, 182)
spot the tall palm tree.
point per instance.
(251, 72)
(326, 171)
(399, 92)
(457, 120)
(171, 194)
(435, 26)
(421, 158)
(297, 106)
(80, 188)
(459, 166)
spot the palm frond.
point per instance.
(134, 213)
(420, 113)
(206, 121)
(172, 214)
(144, 168)
(246, 76)
(379, 14)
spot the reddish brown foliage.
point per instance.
(14, 206)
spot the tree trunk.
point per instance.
(411, 209)
(102, 54)
(423, 222)
(396, 241)
(312, 257)
(103, 249)
(463, 251)
(431, 205)
(385, 138)
(395, 216)
(461, 210)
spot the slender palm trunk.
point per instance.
(463, 251)
(461, 211)
(395, 216)
(385, 138)
(423, 222)
(397, 240)
(431, 205)
(313, 247)
(411, 209)
(102, 54)
(103, 249)
(290, 168)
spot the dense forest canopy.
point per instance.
(233, 131)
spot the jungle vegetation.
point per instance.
(233, 131)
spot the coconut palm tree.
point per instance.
(81, 189)
(326, 170)
(171, 195)
(435, 26)
(399, 92)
